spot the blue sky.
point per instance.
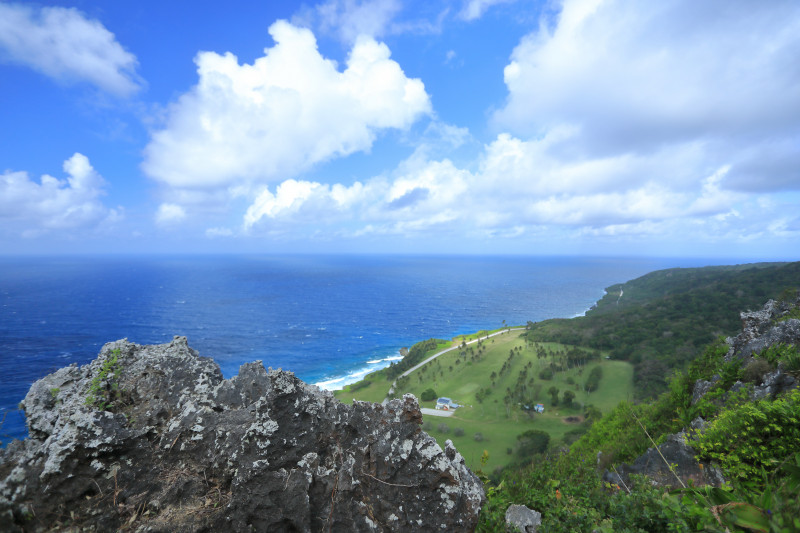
(471, 126)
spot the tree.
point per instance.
(553, 391)
(428, 395)
(532, 442)
(568, 397)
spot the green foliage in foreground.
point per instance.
(755, 443)
(750, 438)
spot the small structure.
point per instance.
(539, 408)
(446, 404)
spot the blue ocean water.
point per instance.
(329, 319)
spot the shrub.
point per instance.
(443, 428)
(752, 438)
(754, 372)
(792, 362)
(428, 395)
(546, 374)
(532, 442)
(478, 437)
(458, 432)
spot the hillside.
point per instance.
(727, 455)
(661, 321)
(498, 381)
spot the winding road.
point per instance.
(456, 347)
(437, 354)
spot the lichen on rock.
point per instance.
(182, 449)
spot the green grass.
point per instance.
(461, 374)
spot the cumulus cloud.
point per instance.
(63, 44)
(635, 75)
(290, 109)
(29, 207)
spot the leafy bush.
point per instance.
(458, 432)
(443, 428)
(792, 363)
(546, 374)
(753, 438)
(532, 442)
(428, 395)
(478, 437)
(730, 372)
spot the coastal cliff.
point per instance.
(152, 438)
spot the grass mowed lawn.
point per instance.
(494, 380)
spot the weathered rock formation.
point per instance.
(760, 329)
(678, 462)
(152, 438)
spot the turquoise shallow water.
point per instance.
(329, 319)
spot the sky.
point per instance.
(574, 127)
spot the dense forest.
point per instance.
(661, 321)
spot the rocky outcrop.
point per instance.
(152, 438)
(672, 461)
(764, 328)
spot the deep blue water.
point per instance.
(329, 319)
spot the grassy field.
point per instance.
(494, 380)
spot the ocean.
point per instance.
(329, 319)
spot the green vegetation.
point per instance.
(496, 382)
(428, 395)
(755, 444)
(668, 327)
(416, 355)
(104, 388)
(662, 320)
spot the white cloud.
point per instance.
(639, 74)
(350, 19)
(475, 9)
(169, 213)
(289, 110)
(307, 202)
(63, 44)
(518, 185)
(28, 207)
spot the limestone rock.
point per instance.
(152, 438)
(678, 454)
(522, 520)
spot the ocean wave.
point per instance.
(338, 382)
